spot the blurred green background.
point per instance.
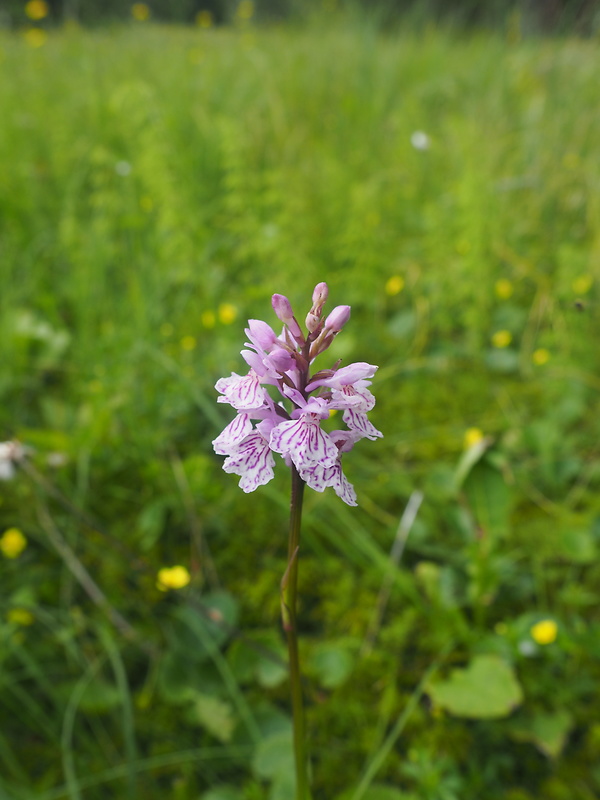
(159, 183)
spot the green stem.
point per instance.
(290, 592)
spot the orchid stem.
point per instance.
(290, 592)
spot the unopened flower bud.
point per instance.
(283, 309)
(337, 319)
(312, 321)
(281, 360)
(260, 333)
(320, 294)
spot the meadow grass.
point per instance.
(158, 185)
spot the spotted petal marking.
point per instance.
(357, 421)
(319, 478)
(304, 441)
(227, 441)
(244, 393)
(253, 462)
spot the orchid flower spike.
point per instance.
(289, 424)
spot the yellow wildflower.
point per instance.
(544, 632)
(12, 543)
(37, 9)
(472, 436)
(227, 313)
(204, 19)
(20, 616)
(394, 285)
(540, 356)
(502, 338)
(188, 343)
(582, 284)
(35, 37)
(140, 12)
(172, 578)
(503, 289)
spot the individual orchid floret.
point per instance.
(319, 477)
(302, 439)
(252, 460)
(228, 440)
(244, 393)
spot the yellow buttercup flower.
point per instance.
(140, 12)
(502, 338)
(472, 436)
(35, 37)
(20, 616)
(37, 9)
(227, 313)
(540, 356)
(172, 578)
(503, 289)
(394, 285)
(12, 543)
(544, 632)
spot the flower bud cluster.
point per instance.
(291, 424)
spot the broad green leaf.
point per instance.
(489, 498)
(486, 689)
(548, 732)
(274, 756)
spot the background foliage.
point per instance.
(536, 15)
(159, 184)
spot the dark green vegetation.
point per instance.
(157, 187)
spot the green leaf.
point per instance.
(214, 715)
(469, 458)
(548, 732)
(332, 665)
(489, 498)
(486, 689)
(274, 756)
(99, 697)
(577, 545)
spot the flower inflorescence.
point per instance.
(291, 425)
